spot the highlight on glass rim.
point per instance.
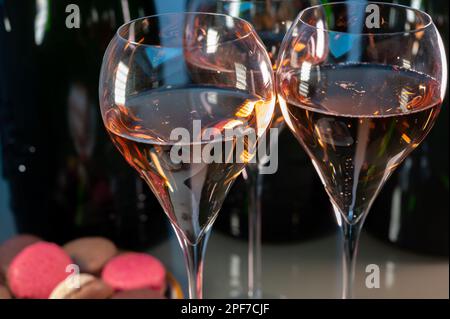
(254, 152)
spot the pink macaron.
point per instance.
(131, 271)
(37, 270)
(11, 247)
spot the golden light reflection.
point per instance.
(229, 125)
(232, 178)
(430, 116)
(406, 138)
(246, 156)
(246, 109)
(319, 136)
(264, 110)
(404, 99)
(160, 170)
(285, 112)
(299, 46)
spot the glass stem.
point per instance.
(254, 188)
(194, 257)
(350, 240)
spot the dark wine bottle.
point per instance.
(63, 175)
(294, 203)
(412, 210)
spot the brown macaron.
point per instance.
(4, 293)
(12, 247)
(138, 294)
(90, 287)
(91, 253)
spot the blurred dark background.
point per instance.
(61, 178)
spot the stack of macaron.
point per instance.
(85, 268)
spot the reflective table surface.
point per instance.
(311, 269)
(308, 269)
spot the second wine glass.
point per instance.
(360, 85)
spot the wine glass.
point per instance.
(172, 87)
(360, 85)
(271, 20)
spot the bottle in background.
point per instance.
(412, 210)
(64, 177)
(294, 205)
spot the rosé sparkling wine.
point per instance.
(358, 122)
(191, 192)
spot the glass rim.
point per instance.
(153, 16)
(429, 20)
